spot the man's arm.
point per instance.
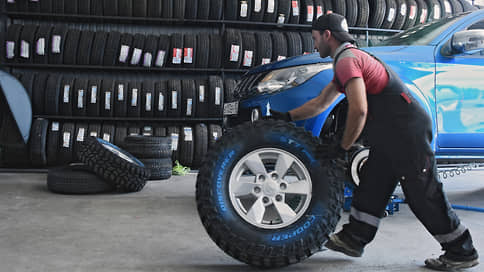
(357, 111)
(316, 105)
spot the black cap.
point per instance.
(336, 24)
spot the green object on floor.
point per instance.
(180, 170)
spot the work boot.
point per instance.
(337, 242)
(444, 263)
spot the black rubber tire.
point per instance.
(120, 98)
(352, 10)
(264, 48)
(186, 146)
(148, 99)
(216, 10)
(46, 6)
(57, 56)
(147, 130)
(363, 13)
(71, 46)
(191, 9)
(124, 175)
(121, 132)
(215, 96)
(167, 9)
(456, 6)
(53, 138)
(201, 145)
(466, 6)
(257, 11)
(84, 7)
(233, 235)
(44, 35)
(94, 98)
(190, 43)
(422, 12)
(174, 107)
(163, 52)
(16, 5)
(390, 14)
(230, 12)
(202, 51)
(108, 132)
(189, 98)
(233, 49)
(378, 13)
(95, 130)
(145, 147)
(111, 50)
(216, 45)
(435, 11)
(339, 7)
(279, 46)
(160, 169)
(202, 89)
(154, 8)
(179, 9)
(134, 99)
(285, 10)
(401, 14)
(110, 7)
(270, 12)
(174, 133)
(38, 141)
(328, 6)
(249, 50)
(75, 179)
(307, 12)
(81, 133)
(71, 7)
(125, 49)
(79, 101)
(244, 14)
(66, 144)
(97, 8)
(28, 81)
(136, 55)
(203, 11)
(160, 131)
(177, 46)
(58, 6)
(318, 9)
(85, 47)
(125, 8)
(107, 98)
(411, 14)
(38, 94)
(140, 9)
(66, 96)
(295, 12)
(27, 44)
(150, 51)
(294, 44)
(161, 99)
(229, 89)
(446, 8)
(307, 43)
(52, 95)
(214, 134)
(98, 48)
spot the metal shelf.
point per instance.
(131, 119)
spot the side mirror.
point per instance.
(465, 41)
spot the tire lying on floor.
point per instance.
(255, 194)
(119, 168)
(76, 179)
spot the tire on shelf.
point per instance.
(150, 51)
(160, 169)
(203, 11)
(163, 52)
(148, 147)
(201, 144)
(284, 11)
(179, 9)
(97, 7)
(160, 131)
(79, 101)
(174, 107)
(295, 12)
(147, 98)
(279, 46)
(318, 9)
(160, 98)
(140, 9)
(233, 47)
(191, 9)
(456, 6)
(328, 6)
(12, 43)
(94, 130)
(307, 11)
(401, 14)
(107, 98)
(352, 10)
(264, 48)
(411, 14)
(85, 47)
(66, 96)
(71, 46)
(33, 6)
(216, 9)
(126, 8)
(190, 52)
(126, 49)
(176, 52)
(66, 144)
(98, 48)
(422, 12)
(116, 166)
(435, 11)
(216, 53)
(186, 146)
(110, 7)
(214, 133)
(378, 13)
(71, 7)
(292, 238)
(134, 99)
(202, 89)
(446, 8)
(363, 13)
(52, 95)
(27, 43)
(339, 7)
(111, 49)
(81, 132)
(216, 96)
(203, 51)
(231, 9)
(28, 81)
(53, 138)
(42, 44)
(174, 133)
(244, 8)
(229, 88)
(120, 98)
(189, 98)
(167, 9)
(38, 141)
(249, 50)
(466, 6)
(38, 93)
(46, 6)
(108, 132)
(58, 6)
(135, 57)
(294, 44)
(84, 7)
(307, 43)
(390, 14)
(258, 10)
(121, 132)
(94, 97)
(270, 12)
(75, 179)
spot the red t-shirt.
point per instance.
(354, 63)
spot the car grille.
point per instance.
(245, 88)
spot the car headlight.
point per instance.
(283, 79)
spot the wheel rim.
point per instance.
(118, 153)
(359, 159)
(270, 188)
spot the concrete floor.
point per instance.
(158, 229)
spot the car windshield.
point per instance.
(422, 34)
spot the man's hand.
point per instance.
(277, 115)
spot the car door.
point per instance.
(460, 97)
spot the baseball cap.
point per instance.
(337, 24)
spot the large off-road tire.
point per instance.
(119, 168)
(148, 147)
(249, 207)
(160, 169)
(75, 179)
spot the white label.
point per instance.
(310, 14)
(295, 8)
(40, 48)
(93, 94)
(270, 6)
(403, 9)
(257, 5)
(436, 12)
(67, 90)
(177, 55)
(160, 58)
(248, 55)
(188, 55)
(161, 102)
(189, 106)
(201, 94)
(281, 58)
(55, 126)
(107, 137)
(234, 53)
(10, 50)
(107, 103)
(148, 102)
(148, 59)
(56, 44)
(174, 104)
(266, 61)
(319, 11)
(10, 1)
(215, 135)
(134, 98)
(423, 16)
(135, 59)
(66, 139)
(80, 99)
(174, 141)
(188, 134)
(120, 92)
(147, 131)
(281, 18)
(448, 8)
(93, 134)
(24, 49)
(413, 12)
(391, 14)
(218, 96)
(243, 9)
(80, 135)
(123, 54)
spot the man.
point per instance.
(399, 133)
